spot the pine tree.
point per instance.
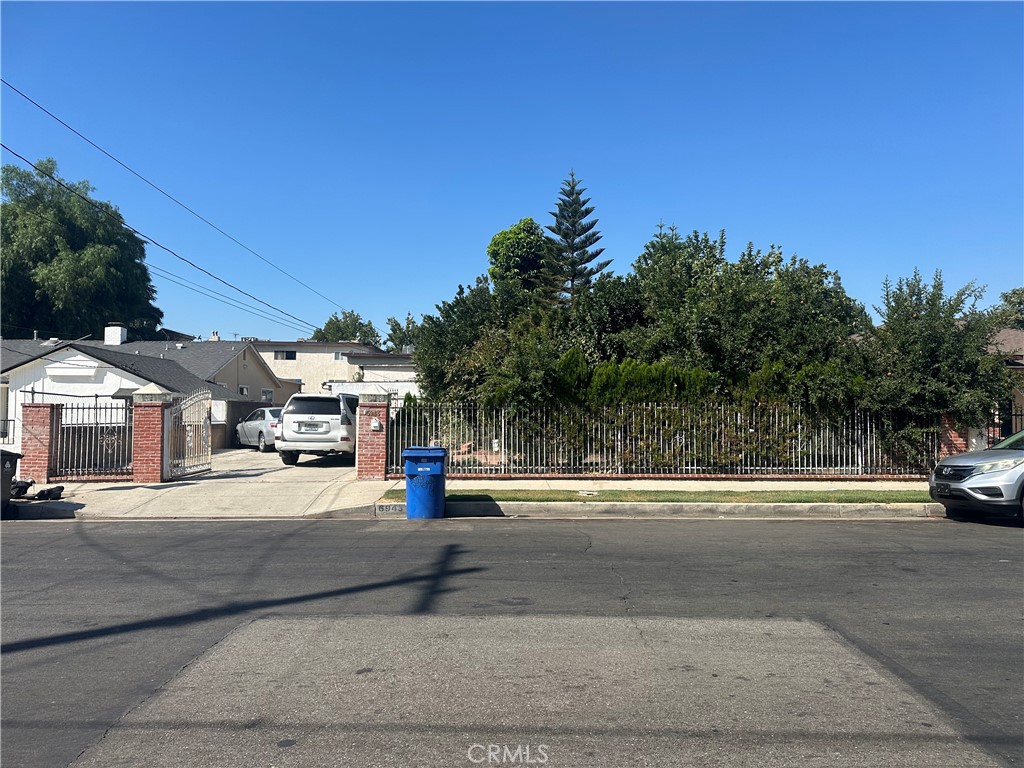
(575, 237)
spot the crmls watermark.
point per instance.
(503, 754)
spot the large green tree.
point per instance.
(931, 355)
(401, 336)
(523, 258)
(576, 238)
(1012, 308)
(447, 357)
(765, 325)
(348, 326)
(69, 265)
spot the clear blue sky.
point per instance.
(373, 149)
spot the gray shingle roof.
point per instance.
(203, 358)
(15, 352)
(167, 373)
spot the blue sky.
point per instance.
(371, 150)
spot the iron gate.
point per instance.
(93, 440)
(189, 447)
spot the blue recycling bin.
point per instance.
(424, 482)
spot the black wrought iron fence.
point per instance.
(661, 439)
(94, 440)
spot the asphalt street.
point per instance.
(605, 642)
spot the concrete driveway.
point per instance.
(243, 484)
(248, 462)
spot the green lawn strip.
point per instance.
(849, 496)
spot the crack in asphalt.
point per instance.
(629, 608)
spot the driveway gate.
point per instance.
(187, 435)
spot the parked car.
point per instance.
(317, 424)
(258, 428)
(991, 480)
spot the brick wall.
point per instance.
(951, 442)
(372, 446)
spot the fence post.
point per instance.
(148, 441)
(40, 425)
(372, 437)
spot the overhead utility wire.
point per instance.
(166, 194)
(212, 294)
(147, 238)
(200, 289)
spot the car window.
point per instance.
(275, 413)
(254, 416)
(351, 402)
(325, 404)
(1012, 443)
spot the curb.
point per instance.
(555, 510)
(682, 510)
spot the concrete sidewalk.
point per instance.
(245, 485)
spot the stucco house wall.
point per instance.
(315, 362)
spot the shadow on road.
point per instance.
(980, 518)
(434, 584)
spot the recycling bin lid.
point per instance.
(424, 452)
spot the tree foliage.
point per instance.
(348, 326)
(931, 355)
(524, 259)
(689, 324)
(1012, 308)
(69, 265)
(576, 238)
(401, 336)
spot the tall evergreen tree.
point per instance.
(576, 236)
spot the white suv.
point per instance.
(317, 424)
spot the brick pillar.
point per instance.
(951, 442)
(40, 423)
(372, 444)
(148, 441)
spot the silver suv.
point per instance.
(983, 481)
(317, 424)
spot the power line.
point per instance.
(212, 294)
(149, 239)
(198, 289)
(166, 194)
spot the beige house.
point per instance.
(322, 365)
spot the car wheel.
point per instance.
(289, 457)
(261, 445)
(236, 440)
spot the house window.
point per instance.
(284, 354)
(340, 355)
(243, 391)
(266, 395)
